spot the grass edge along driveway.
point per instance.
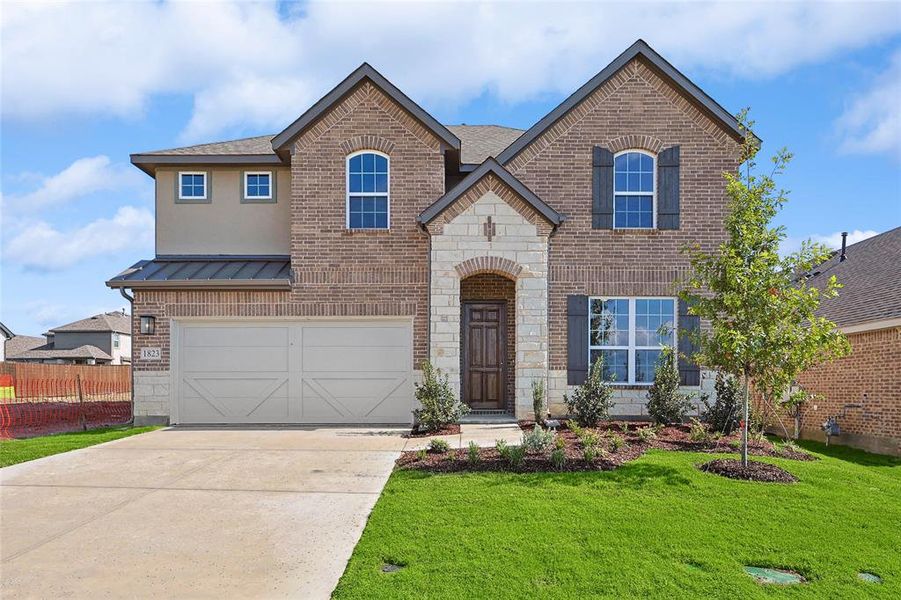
(656, 527)
(21, 450)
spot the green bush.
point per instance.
(472, 453)
(617, 442)
(591, 401)
(646, 435)
(590, 439)
(560, 443)
(666, 404)
(514, 455)
(558, 458)
(538, 400)
(697, 432)
(725, 414)
(439, 446)
(538, 441)
(589, 453)
(501, 446)
(421, 455)
(439, 407)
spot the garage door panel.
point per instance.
(241, 337)
(351, 336)
(236, 359)
(340, 372)
(350, 359)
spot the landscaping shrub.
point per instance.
(589, 453)
(558, 458)
(514, 455)
(646, 435)
(538, 441)
(617, 442)
(591, 401)
(421, 454)
(697, 431)
(472, 453)
(501, 446)
(439, 407)
(538, 400)
(438, 446)
(666, 404)
(590, 439)
(725, 414)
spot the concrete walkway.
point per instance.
(197, 513)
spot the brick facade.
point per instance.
(869, 379)
(490, 286)
(633, 109)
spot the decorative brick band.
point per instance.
(488, 264)
(629, 142)
(367, 142)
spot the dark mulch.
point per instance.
(678, 437)
(755, 471)
(448, 430)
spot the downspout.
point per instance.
(547, 320)
(131, 362)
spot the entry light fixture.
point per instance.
(148, 325)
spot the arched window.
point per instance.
(634, 190)
(367, 190)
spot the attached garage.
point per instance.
(255, 372)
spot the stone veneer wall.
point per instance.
(517, 250)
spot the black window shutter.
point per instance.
(689, 371)
(602, 188)
(668, 188)
(576, 339)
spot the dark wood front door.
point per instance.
(484, 352)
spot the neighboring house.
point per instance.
(305, 276)
(103, 339)
(863, 390)
(6, 334)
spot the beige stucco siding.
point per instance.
(224, 225)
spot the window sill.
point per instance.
(371, 231)
(636, 230)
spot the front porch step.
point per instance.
(488, 418)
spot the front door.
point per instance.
(484, 349)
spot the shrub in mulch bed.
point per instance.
(453, 429)
(677, 437)
(755, 471)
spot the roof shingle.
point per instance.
(114, 321)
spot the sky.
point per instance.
(85, 84)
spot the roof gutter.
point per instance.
(149, 162)
(244, 284)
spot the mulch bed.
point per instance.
(449, 430)
(755, 471)
(672, 438)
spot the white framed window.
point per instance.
(629, 334)
(258, 185)
(192, 185)
(634, 190)
(368, 190)
(115, 340)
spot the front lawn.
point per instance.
(16, 451)
(654, 527)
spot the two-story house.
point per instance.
(103, 339)
(304, 277)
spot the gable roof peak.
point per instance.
(365, 71)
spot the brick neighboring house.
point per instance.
(103, 339)
(303, 277)
(863, 390)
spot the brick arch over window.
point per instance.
(488, 264)
(632, 142)
(367, 142)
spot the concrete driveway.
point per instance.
(188, 513)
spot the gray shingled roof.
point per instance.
(22, 343)
(870, 276)
(113, 321)
(44, 353)
(207, 271)
(478, 142)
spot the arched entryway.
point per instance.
(488, 342)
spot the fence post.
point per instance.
(84, 424)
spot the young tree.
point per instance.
(762, 314)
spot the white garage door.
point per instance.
(293, 372)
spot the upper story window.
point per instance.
(629, 334)
(115, 340)
(367, 190)
(192, 185)
(633, 190)
(258, 185)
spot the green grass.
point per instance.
(17, 451)
(656, 527)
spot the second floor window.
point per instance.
(633, 190)
(258, 186)
(192, 186)
(367, 191)
(115, 340)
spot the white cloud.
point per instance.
(246, 65)
(872, 122)
(831, 240)
(41, 246)
(82, 177)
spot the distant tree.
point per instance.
(762, 313)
